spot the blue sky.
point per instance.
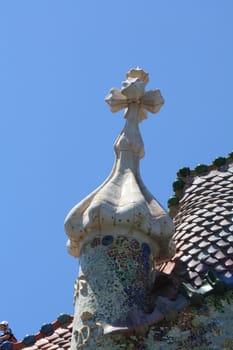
(58, 60)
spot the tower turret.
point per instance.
(118, 233)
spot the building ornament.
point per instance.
(119, 232)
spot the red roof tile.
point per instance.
(59, 339)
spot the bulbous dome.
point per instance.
(122, 204)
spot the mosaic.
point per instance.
(206, 328)
(114, 279)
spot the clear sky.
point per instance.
(58, 60)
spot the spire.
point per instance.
(123, 202)
(119, 232)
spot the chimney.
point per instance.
(118, 233)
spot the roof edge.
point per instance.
(45, 331)
(185, 176)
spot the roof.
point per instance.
(52, 336)
(203, 218)
(202, 211)
(204, 224)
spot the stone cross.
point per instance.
(133, 91)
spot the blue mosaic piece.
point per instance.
(217, 284)
(146, 266)
(6, 345)
(146, 248)
(63, 318)
(227, 280)
(47, 329)
(107, 240)
(29, 340)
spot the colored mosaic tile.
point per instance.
(107, 240)
(134, 244)
(29, 340)
(47, 329)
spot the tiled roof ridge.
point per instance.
(46, 330)
(185, 178)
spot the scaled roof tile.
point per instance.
(210, 201)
